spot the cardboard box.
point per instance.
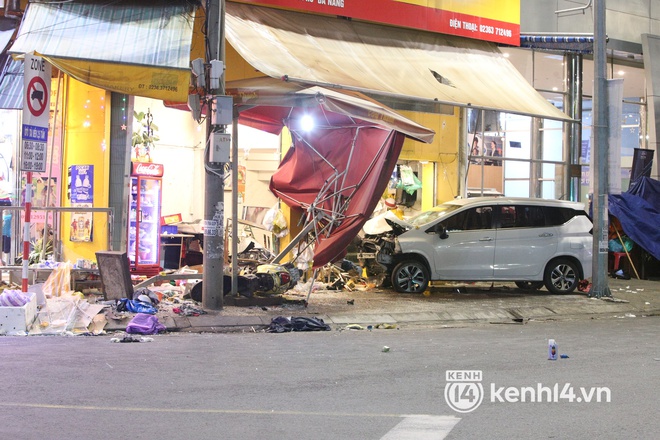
(17, 320)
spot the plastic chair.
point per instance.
(617, 259)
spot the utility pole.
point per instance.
(600, 154)
(213, 276)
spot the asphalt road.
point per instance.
(338, 385)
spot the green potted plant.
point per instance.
(144, 136)
(37, 247)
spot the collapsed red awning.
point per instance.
(336, 171)
(336, 175)
(338, 168)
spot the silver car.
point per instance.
(533, 242)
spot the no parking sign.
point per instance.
(35, 113)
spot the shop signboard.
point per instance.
(36, 95)
(489, 20)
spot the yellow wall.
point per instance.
(443, 151)
(293, 217)
(86, 142)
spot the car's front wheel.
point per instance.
(410, 276)
(561, 276)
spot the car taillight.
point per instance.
(285, 277)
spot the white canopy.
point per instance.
(381, 60)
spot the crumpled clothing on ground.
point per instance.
(145, 324)
(129, 305)
(188, 310)
(282, 324)
(153, 298)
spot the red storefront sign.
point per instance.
(490, 20)
(147, 169)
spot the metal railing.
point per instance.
(59, 210)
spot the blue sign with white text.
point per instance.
(82, 184)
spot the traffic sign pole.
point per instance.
(26, 231)
(34, 137)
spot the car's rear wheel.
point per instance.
(529, 285)
(561, 276)
(410, 276)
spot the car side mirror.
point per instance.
(441, 230)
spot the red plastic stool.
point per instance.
(617, 259)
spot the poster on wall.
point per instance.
(81, 192)
(81, 227)
(81, 182)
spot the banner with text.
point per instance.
(489, 20)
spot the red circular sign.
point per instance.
(40, 96)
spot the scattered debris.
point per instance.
(350, 302)
(354, 327)
(283, 324)
(584, 286)
(129, 338)
(627, 315)
(385, 349)
(563, 356)
(188, 309)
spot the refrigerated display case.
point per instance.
(144, 218)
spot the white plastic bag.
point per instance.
(275, 222)
(59, 281)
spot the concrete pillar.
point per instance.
(651, 49)
(572, 130)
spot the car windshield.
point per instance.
(436, 213)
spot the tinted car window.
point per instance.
(559, 216)
(521, 216)
(456, 222)
(479, 218)
(470, 219)
(530, 217)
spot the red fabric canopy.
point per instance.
(337, 171)
(338, 184)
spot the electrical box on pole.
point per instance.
(222, 110)
(220, 148)
(217, 74)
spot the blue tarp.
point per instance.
(638, 211)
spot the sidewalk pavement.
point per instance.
(446, 304)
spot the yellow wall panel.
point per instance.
(86, 142)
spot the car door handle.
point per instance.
(546, 234)
(486, 239)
